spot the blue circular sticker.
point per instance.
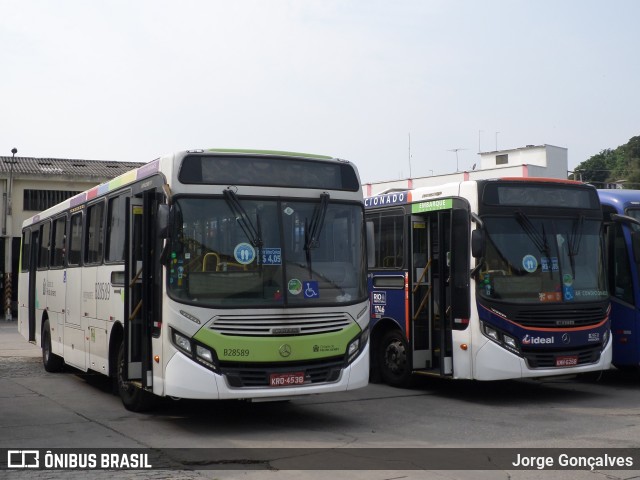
(529, 263)
(244, 253)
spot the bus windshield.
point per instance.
(542, 259)
(234, 252)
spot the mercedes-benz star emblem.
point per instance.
(566, 338)
(285, 350)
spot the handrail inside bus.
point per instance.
(204, 260)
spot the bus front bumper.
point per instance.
(186, 379)
(493, 362)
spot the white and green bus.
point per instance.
(205, 274)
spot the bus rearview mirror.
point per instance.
(163, 220)
(477, 243)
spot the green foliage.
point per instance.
(609, 166)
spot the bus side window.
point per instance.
(75, 239)
(26, 250)
(388, 235)
(94, 233)
(59, 238)
(622, 286)
(45, 243)
(115, 229)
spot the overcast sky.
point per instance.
(130, 80)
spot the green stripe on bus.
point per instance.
(278, 349)
(269, 152)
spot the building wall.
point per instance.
(34, 183)
(531, 161)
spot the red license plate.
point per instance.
(567, 361)
(286, 379)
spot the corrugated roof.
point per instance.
(65, 167)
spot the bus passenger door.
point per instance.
(143, 280)
(431, 312)
(421, 288)
(33, 268)
(134, 274)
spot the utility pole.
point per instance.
(456, 150)
(8, 242)
(410, 155)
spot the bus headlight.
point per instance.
(182, 342)
(204, 353)
(357, 345)
(196, 351)
(510, 342)
(353, 347)
(491, 332)
(500, 337)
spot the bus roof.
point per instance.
(266, 152)
(619, 198)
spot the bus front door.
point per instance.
(134, 273)
(430, 292)
(140, 301)
(33, 269)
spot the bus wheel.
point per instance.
(133, 398)
(394, 363)
(52, 362)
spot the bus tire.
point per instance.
(393, 359)
(52, 362)
(133, 398)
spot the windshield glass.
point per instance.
(234, 251)
(634, 213)
(537, 260)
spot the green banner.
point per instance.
(432, 205)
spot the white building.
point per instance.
(530, 161)
(29, 185)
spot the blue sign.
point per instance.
(568, 293)
(379, 298)
(244, 253)
(396, 198)
(549, 264)
(271, 256)
(311, 289)
(530, 263)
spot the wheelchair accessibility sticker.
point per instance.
(311, 289)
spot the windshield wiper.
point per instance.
(252, 233)
(540, 241)
(574, 242)
(313, 229)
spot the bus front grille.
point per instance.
(256, 375)
(560, 318)
(279, 325)
(547, 359)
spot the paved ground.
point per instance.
(38, 409)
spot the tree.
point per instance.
(608, 166)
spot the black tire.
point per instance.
(52, 362)
(133, 398)
(394, 361)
